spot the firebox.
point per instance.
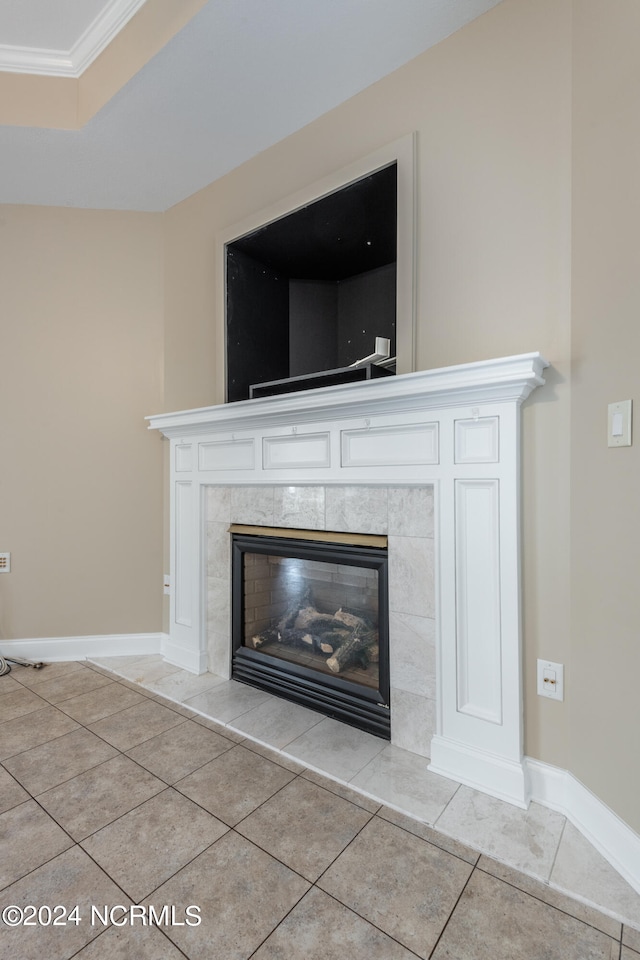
(310, 621)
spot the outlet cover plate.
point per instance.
(551, 680)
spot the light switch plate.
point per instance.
(619, 424)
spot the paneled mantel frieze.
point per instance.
(504, 379)
(455, 429)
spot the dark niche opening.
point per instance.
(311, 291)
(310, 624)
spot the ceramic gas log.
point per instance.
(344, 637)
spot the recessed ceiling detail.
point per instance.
(232, 81)
(110, 16)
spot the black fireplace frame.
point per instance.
(353, 703)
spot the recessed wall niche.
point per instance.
(311, 290)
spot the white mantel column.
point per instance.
(480, 730)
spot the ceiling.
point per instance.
(240, 76)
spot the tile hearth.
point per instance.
(116, 789)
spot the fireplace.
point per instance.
(310, 621)
(371, 457)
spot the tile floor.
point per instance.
(130, 784)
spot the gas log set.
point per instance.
(344, 638)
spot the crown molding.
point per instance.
(72, 63)
(102, 31)
(36, 60)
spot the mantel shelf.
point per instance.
(504, 379)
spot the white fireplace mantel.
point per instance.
(503, 380)
(456, 428)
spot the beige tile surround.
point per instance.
(405, 514)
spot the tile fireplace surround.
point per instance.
(432, 460)
(405, 515)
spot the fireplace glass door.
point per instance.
(310, 623)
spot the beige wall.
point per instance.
(605, 483)
(81, 364)
(492, 109)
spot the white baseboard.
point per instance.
(611, 836)
(51, 649)
(558, 789)
(110, 645)
(481, 770)
(187, 659)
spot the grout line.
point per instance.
(359, 794)
(385, 933)
(134, 745)
(97, 830)
(455, 907)
(433, 842)
(534, 896)
(124, 753)
(281, 921)
(49, 859)
(15, 780)
(41, 793)
(187, 863)
(344, 849)
(34, 746)
(446, 807)
(557, 850)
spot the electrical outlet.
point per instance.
(551, 680)
(5, 563)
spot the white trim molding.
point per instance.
(502, 777)
(611, 836)
(51, 649)
(72, 63)
(195, 661)
(36, 60)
